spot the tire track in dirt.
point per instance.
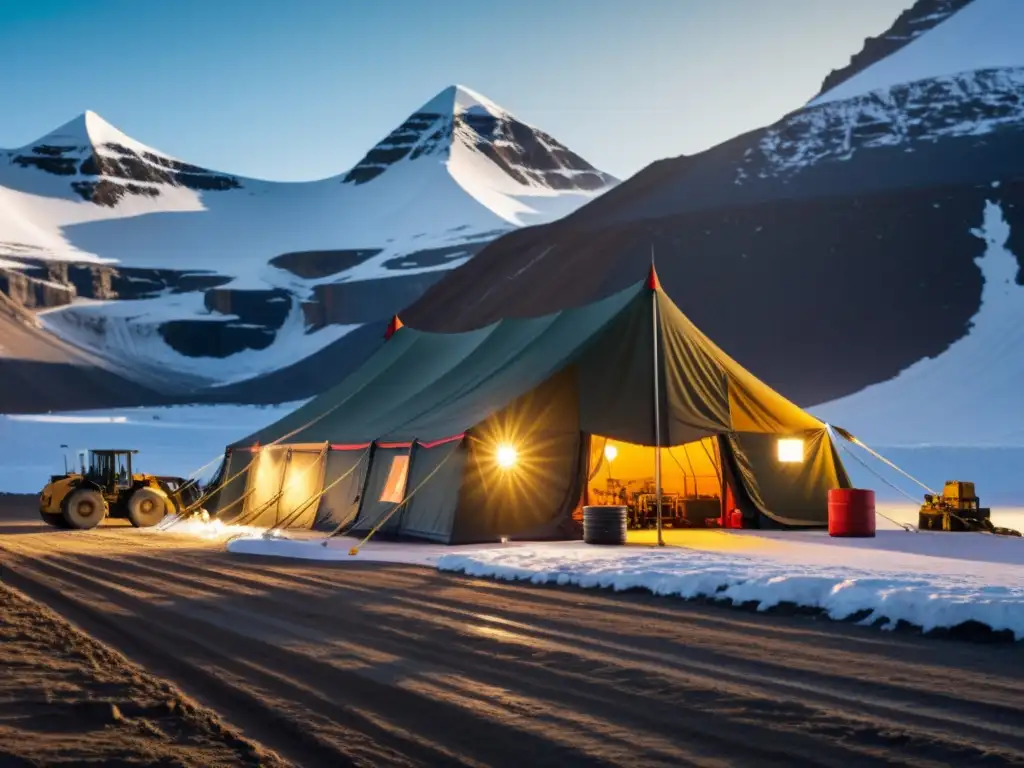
(418, 711)
(375, 664)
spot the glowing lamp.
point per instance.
(610, 452)
(506, 456)
(791, 450)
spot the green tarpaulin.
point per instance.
(544, 385)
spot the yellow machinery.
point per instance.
(105, 486)
(957, 509)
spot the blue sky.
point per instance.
(300, 89)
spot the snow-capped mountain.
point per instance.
(835, 252)
(185, 277)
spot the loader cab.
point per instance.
(109, 469)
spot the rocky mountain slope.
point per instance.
(182, 278)
(834, 250)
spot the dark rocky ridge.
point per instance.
(110, 171)
(312, 265)
(916, 20)
(260, 313)
(68, 280)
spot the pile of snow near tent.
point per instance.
(928, 580)
(160, 266)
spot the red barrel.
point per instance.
(851, 512)
(736, 519)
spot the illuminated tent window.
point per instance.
(623, 474)
(791, 450)
(398, 475)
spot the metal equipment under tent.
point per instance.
(508, 430)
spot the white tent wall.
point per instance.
(266, 477)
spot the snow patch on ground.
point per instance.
(984, 34)
(919, 407)
(925, 589)
(202, 528)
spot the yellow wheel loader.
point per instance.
(104, 485)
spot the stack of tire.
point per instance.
(605, 525)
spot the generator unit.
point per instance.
(957, 509)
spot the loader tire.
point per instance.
(54, 519)
(84, 509)
(147, 507)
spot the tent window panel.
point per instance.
(691, 480)
(398, 476)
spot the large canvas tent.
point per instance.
(409, 443)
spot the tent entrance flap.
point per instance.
(691, 480)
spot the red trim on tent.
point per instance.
(394, 445)
(349, 446)
(255, 447)
(394, 326)
(653, 283)
(442, 441)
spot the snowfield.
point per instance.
(923, 405)
(174, 440)
(459, 172)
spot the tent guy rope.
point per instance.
(318, 495)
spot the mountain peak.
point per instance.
(103, 165)
(87, 131)
(456, 99)
(461, 121)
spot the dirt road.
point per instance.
(371, 664)
(67, 700)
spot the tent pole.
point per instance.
(657, 409)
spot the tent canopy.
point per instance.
(429, 386)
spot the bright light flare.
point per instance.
(791, 450)
(610, 452)
(506, 456)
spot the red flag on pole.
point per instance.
(393, 327)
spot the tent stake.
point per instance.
(657, 410)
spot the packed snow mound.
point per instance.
(920, 580)
(983, 34)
